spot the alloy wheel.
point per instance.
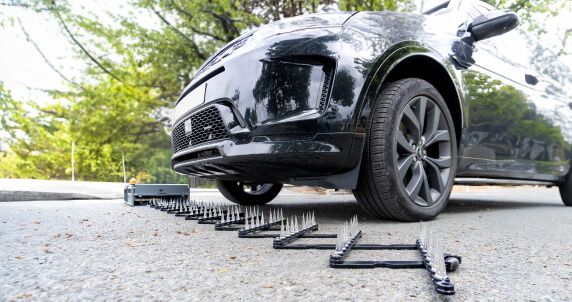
(423, 151)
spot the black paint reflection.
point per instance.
(283, 89)
(505, 125)
(343, 91)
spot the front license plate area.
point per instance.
(192, 100)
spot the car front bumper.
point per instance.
(262, 113)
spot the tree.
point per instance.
(134, 74)
(534, 14)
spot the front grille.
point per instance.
(206, 126)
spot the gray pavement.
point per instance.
(34, 189)
(515, 245)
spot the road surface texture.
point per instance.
(516, 245)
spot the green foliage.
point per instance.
(134, 73)
(533, 15)
(499, 108)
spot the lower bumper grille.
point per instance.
(201, 127)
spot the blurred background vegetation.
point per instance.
(134, 73)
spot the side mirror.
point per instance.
(492, 24)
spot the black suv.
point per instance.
(396, 107)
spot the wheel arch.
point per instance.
(393, 65)
(403, 61)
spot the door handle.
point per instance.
(530, 79)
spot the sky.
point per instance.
(26, 74)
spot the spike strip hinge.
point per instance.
(254, 222)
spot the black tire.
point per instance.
(237, 193)
(566, 190)
(385, 191)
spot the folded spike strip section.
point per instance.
(348, 235)
(171, 205)
(254, 222)
(231, 222)
(433, 259)
(290, 231)
(436, 262)
(219, 214)
(201, 209)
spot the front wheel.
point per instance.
(248, 194)
(408, 165)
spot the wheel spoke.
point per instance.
(416, 182)
(434, 174)
(413, 121)
(403, 143)
(403, 165)
(421, 111)
(438, 136)
(432, 124)
(426, 189)
(441, 162)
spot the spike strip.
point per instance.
(248, 218)
(259, 227)
(203, 210)
(223, 226)
(289, 233)
(216, 215)
(348, 236)
(434, 261)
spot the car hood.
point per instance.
(303, 22)
(260, 35)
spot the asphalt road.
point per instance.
(516, 245)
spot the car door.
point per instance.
(513, 130)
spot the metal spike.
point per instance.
(282, 230)
(340, 239)
(296, 228)
(262, 218)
